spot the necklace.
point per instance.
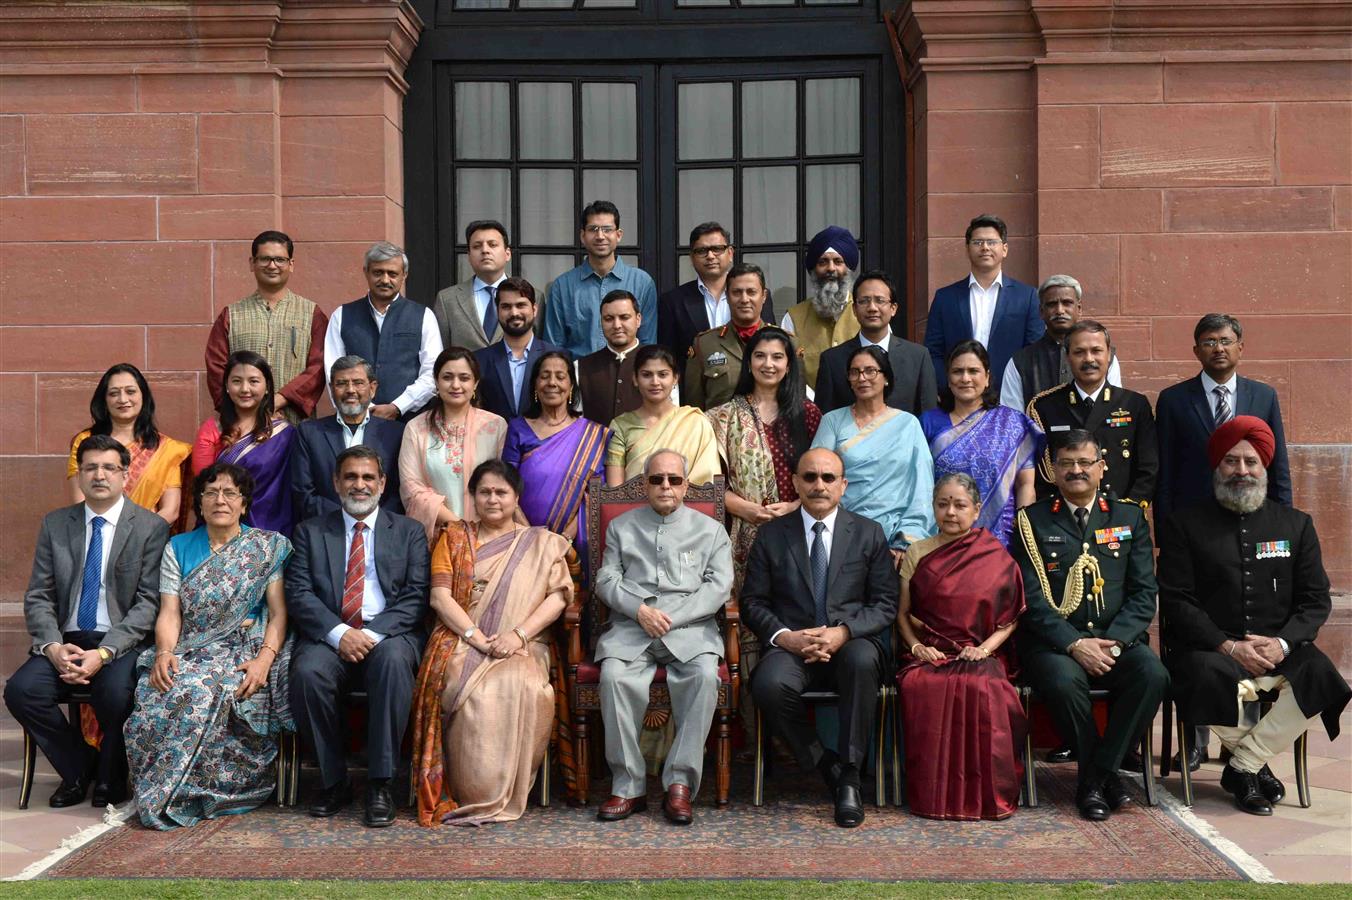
(861, 421)
(553, 424)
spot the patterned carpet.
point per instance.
(792, 836)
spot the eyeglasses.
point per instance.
(673, 480)
(601, 229)
(1213, 343)
(104, 468)
(710, 250)
(226, 494)
(1070, 465)
(873, 301)
(868, 373)
(981, 243)
(823, 477)
(267, 261)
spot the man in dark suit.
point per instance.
(1121, 421)
(913, 385)
(821, 595)
(90, 606)
(699, 305)
(1089, 578)
(466, 313)
(986, 305)
(506, 365)
(605, 379)
(1044, 364)
(356, 590)
(319, 441)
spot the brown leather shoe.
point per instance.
(676, 806)
(618, 808)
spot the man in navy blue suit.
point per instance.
(1185, 416)
(506, 365)
(986, 306)
(319, 441)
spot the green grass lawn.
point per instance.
(183, 890)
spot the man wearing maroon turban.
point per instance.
(1243, 593)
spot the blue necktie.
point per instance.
(490, 312)
(88, 618)
(817, 560)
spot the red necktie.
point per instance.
(355, 585)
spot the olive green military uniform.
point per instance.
(715, 362)
(1109, 565)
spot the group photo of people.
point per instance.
(400, 501)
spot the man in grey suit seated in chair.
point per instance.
(666, 572)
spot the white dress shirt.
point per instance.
(884, 343)
(416, 395)
(809, 535)
(109, 526)
(1209, 386)
(1011, 387)
(353, 435)
(372, 597)
(716, 309)
(1090, 398)
(982, 303)
(481, 296)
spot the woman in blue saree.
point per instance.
(888, 473)
(212, 695)
(972, 434)
(555, 450)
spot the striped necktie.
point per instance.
(87, 618)
(355, 584)
(490, 312)
(817, 561)
(1223, 411)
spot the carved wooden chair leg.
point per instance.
(1302, 751)
(758, 776)
(30, 761)
(1184, 772)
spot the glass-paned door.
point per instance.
(530, 147)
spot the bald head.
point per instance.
(820, 481)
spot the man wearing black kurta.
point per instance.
(1244, 594)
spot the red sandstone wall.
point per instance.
(141, 149)
(1174, 170)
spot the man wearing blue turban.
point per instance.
(826, 318)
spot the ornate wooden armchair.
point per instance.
(586, 615)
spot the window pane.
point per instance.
(619, 186)
(832, 106)
(769, 205)
(547, 207)
(482, 4)
(602, 4)
(609, 121)
(685, 269)
(769, 119)
(545, 120)
(704, 120)
(701, 3)
(483, 194)
(629, 259)
(544, 4)
(462, 268)
(781, 277)
(482, 126)
(540, 271)
(767, 3)
(704, 195)
(832, 197)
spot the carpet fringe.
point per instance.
(113, 817)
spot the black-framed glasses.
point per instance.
(673, 480)
(823, 477)
(867, 373)
(710, 250)
(266, 261)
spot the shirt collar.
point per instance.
(1209, 384)
(362, 424)
(887, 339)
(370, 520)
(809, 521)
(708, 294)
(999, 279)
(479, 284)
(111, 516)
(1089, 398)
(617, 271)
(511, 357)
(376, 312)
(622, 355)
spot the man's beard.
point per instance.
(514, 330)
(829, 295)
(358, 508)
(352, 410)
(1241, 494)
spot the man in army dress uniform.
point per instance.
(1122, 421)
(1088, 575)
(1244, 593)
(716, 355)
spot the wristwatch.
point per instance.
(105, 654)
(469, 632)
(1115, 651)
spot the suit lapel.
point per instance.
(694, 306)
(1001, 305)
(383, 525)
(1243, 398)
(333, 434)
(839, 542)
(798, 552)
(334, 540)
(964, 306)
(1201, 407)
(75, 541)
(504, 374)
(464, 298)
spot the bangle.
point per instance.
(269, 647)
(913, 646)
(159, 653)
(520, 632)
(1232, 649)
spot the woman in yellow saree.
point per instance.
(658, 425)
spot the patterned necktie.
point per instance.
(88, 617)
(1223, 412)
(1082, 518)
(490, 311)
(355, 584)
(817, 560)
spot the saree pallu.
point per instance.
(992, 446)
(963, 720)
(195, 751)
(684, 429)
(268, 461)
(151, 473)
(555, 472)
(481, 725)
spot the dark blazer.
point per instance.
(861, 580)
(495, 383)
(315, 452)
(1017, 323)
(132, 575)
(318, 568)
(1185, 422)
(681, 316)
(913, 385)
(1122, 423)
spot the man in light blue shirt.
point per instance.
(505, 366)
(573, 306)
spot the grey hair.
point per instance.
(665, 451)
(351, 361)
(1060, 281)
(964, 481)
(383, 250)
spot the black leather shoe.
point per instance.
(1271, 785)
(379, 806)
(1064, 753)
(330, 801)
(105, 794)
(1244, 787)
(1131, 762)
(1091, 801)
(1196, 756)
(1115, 792)
(70, 793)
(849, 806)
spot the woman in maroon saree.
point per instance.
(961, 596)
